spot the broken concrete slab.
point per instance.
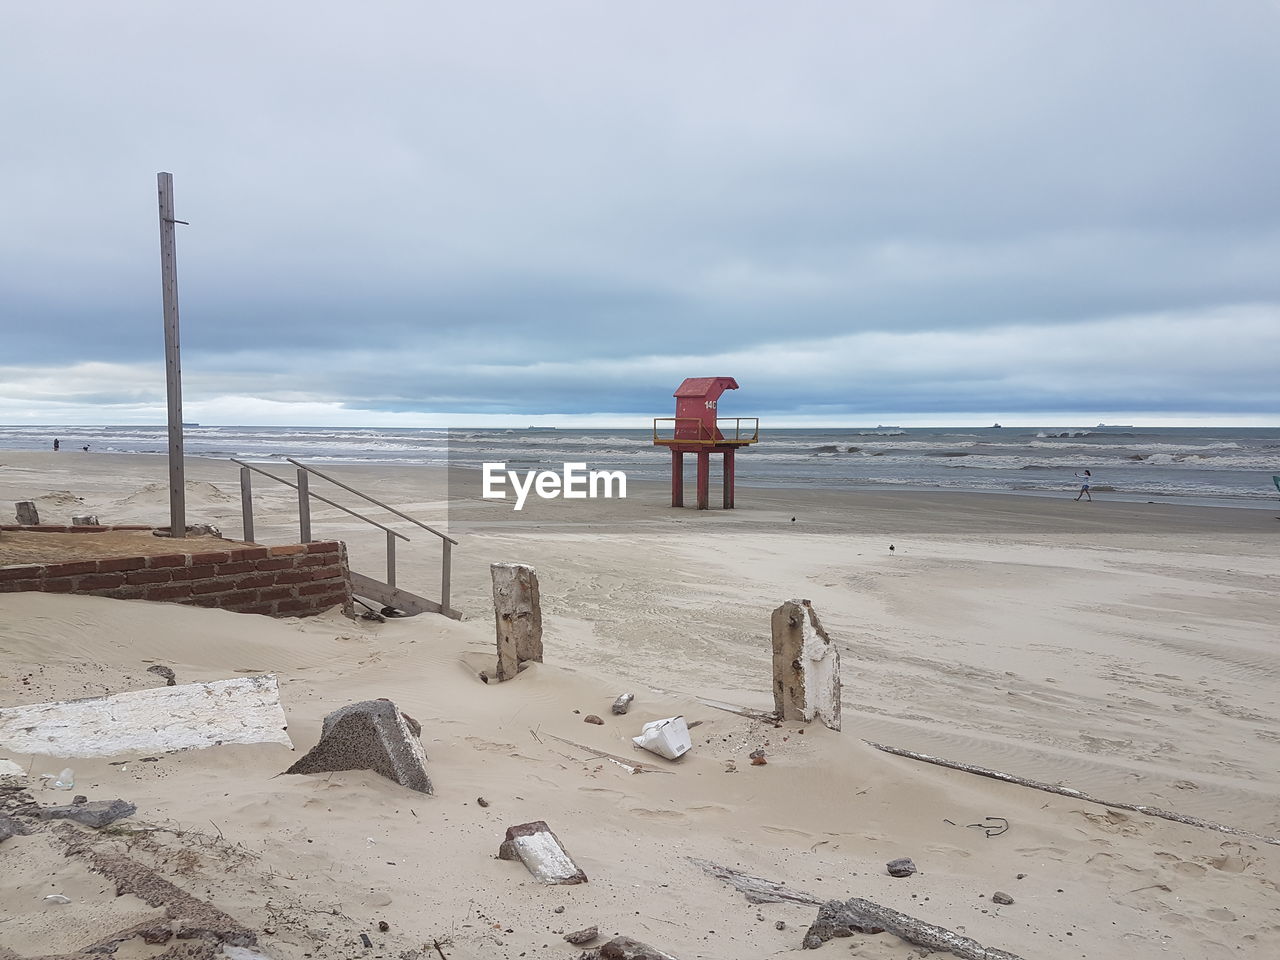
(369, 735)
(517, 610)
(542, 852)
(806, 666)
(97, 813)
(183, 717)
(623, 703)
(26, 514)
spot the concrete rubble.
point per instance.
(806, 666)
(542, 852)
(369, 735)
(26, 514)
(95, 813)
(192, 715)
(517, 610)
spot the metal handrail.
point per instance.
(702, 436)
(304, 522)
(375, 502)
(358, 516)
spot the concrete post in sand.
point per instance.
(27, 515)
(517, 611)
(806, 666)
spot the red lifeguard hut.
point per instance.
(696, 429)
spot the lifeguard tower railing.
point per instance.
(385, 592)
(667, 430)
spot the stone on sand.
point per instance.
(370, 735)
(542, 852)
(624, 948)
(98, 813)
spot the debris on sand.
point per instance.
(579, 937)
(517, 610)
(369, 735)
(160, 670)
(542, 852)
(189, 715)
(97, 814)
(806, 666)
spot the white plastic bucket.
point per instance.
(667, 738)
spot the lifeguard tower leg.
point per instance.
(704, 480)
(728, 479)
(677, 478)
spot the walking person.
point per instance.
(56, 445)
(1085, 478)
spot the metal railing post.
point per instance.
(246, 502)
(391, 559)
(446, 556)
(304, 507)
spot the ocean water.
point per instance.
(1225, 465)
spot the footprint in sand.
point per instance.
(489, 745)
(710, 809)
(668, 816)
(787, 832)
(604, 791)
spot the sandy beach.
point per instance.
(1122, 649)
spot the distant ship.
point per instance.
(185, 424)
(541, 428)
(881, 426)
(1116, 426)
(996, 426)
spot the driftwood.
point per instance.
(856, 913)
(757, 889)
(1076, 794)
(635, 766)
(764, 716)
(864, 915)
(1024, 782)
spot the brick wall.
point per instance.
(291, 581)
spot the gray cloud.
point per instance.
(560, 207)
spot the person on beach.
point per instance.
(1085, 478)
(56, 445)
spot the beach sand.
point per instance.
(1127, 650)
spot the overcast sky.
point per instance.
(424, 212)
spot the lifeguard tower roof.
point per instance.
(708, 388)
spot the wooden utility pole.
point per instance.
(172, 357)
